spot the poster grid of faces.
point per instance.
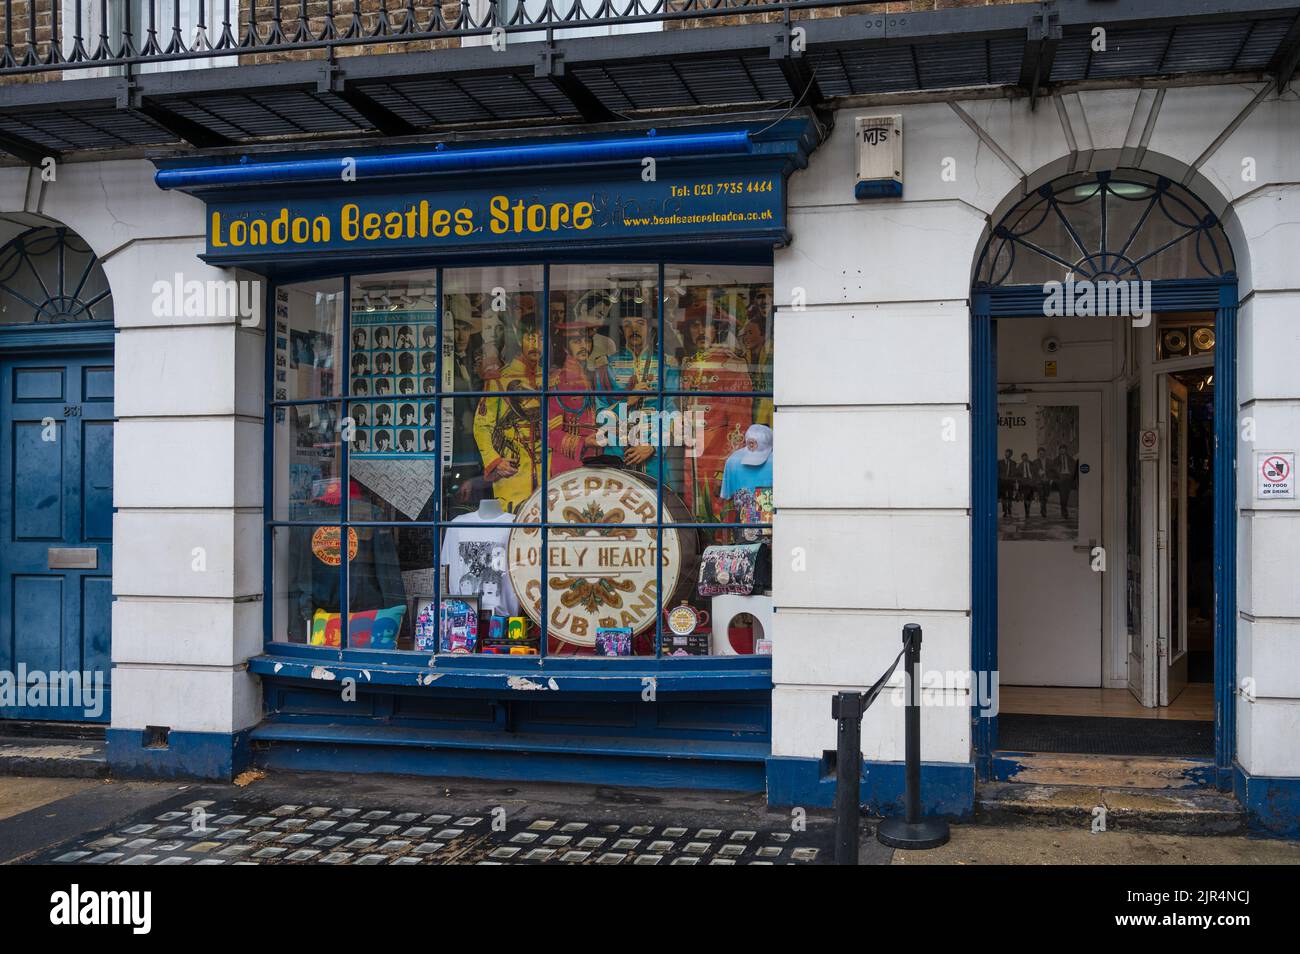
(393, 355)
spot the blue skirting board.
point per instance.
(1272, 804)
(947, 788)
(212, 756)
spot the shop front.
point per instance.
(598, 407)
(518, 452)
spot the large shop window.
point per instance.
(614, 418)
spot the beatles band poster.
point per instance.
(394, 357)
(1038, 472)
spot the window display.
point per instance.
(474, 558)
(747, 480)
(530, 460)
(712, 365)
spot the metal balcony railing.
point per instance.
(64, 35)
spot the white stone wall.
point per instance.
(869, 492)
(187, 468)
(873, 525)
(1268, 541)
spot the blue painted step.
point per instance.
(690, 763)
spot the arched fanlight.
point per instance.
(1125, 225)
(49, 275)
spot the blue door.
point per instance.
(56, 534)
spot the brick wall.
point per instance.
(368, 12)
(819, 13)
(21, 33)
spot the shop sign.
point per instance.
(597, 576)
(487, 216)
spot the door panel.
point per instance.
(1139, 647)
(97, 481)
(1049, 595)
(1172, 537)
(38, 603)
(38, 384)
(56, 525)
(97, 616)
(38, 479)
(97, 383)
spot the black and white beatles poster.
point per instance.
(1038, 472)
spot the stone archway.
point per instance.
(1108, 227)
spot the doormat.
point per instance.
(1093, 735)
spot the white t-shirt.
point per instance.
(475, 558)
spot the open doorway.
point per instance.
(1103, 568)
(1191, 489)
(1105, 552)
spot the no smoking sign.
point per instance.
(1275, 476)
(1149, 444)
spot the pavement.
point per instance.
(288, 818)
(18, 795)
(1079, 845)
(372, 819)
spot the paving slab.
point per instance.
(1027, 845)
(52, 757)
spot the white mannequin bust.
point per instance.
(489, 508)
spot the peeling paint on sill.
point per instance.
(428, 678)
(322, 672)
(524, 683)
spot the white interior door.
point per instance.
(1171, 538)
(1050, 520)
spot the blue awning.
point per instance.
(444, 159)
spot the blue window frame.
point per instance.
(717, 300)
